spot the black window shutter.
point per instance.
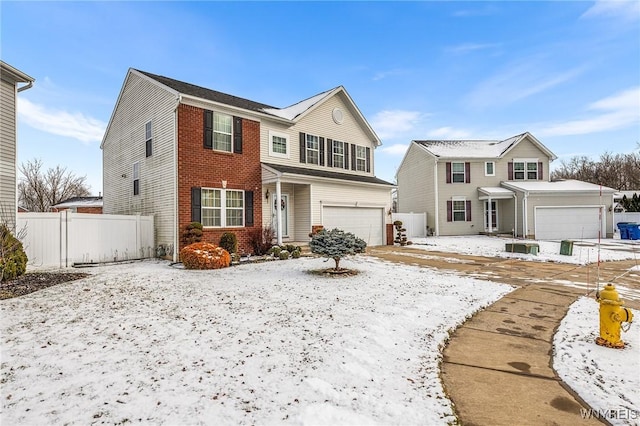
(149, 148)
(330, 152)
(208, 129)
(467, 172)
(346, 155)
(303, 148)
(136, 187)
(540, 170)
(248, 208)
(510, 170)
(368, 160)
(321, 146)
(449, 211)
(448, 171)
(468, 210)
(196, 202)
(237, 135)
(353, 157)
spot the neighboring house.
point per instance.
(91, 205)
(482, 186)
(619, 195)
(10, 79)
(186, 153)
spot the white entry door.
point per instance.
(284, 207)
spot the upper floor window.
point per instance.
(457, 172)
(278, 144)
(525, 169)
(361, 158)
(148, 137)
(222, 208)
(136, 178)
(313, 149)
(489, 168)
(338, 154)
(222, 132)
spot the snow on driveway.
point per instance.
(261, 343)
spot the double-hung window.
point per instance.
(489, 168)
(525, 169)
(148, 137)
(313, 149)
(136, 178)
(338, 154)
(361, 158)
(532, 171)
(459, 210)
(457, 173)
(222, 208)
(222, 132)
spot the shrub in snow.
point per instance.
(295, 254)
(229, 242)
(261, 239)
(336, 244)
(275, 250)
(204, 256)
(192, 233)
(284, 255)
(13, 259)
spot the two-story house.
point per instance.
(489, 186)
(186, 153)
(10, 78)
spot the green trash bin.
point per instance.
(566, 247)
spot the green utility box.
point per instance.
(566, 247)
(525, 248)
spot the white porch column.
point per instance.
(277, 203)
(489, 218)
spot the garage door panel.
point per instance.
(366, 223)
(558, 223)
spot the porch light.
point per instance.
(266, 194)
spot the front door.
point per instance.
(494, 216)
(284, 207)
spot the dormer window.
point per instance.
(526, 169)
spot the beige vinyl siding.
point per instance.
(141, 101)
(319, 122)
(416, 189)
(525, 149)
(8, 151)
(302, 209)
(347, 194)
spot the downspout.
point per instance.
(176, 211)
(525, 214)
(515, 214)
(436, 216)
(29, 85)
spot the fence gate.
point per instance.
(65, 238)
(414, 223)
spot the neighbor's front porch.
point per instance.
(499, 209)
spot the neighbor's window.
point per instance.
(222, 132)
(459, 211)
(457, 172)
(338, 154)
(148, 139)
(222, 208)
(525, 170)
(532, 171)
(136, 178)
(313, 149)
(489, 168)
(361, 158)
(278, 144)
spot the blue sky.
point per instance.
(568, 72)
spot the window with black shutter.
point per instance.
(148, 137)
(136, 178)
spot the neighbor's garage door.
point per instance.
(366, 223)
(559, 223)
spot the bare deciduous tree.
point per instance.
(38, 190)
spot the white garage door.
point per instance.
(366, 223)
(559, 223)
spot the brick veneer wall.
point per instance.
(91, 210)
(206, 168)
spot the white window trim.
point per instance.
(285, 136)
(307, 149)
(213, 130)
(333, 154)
(464, 171)
(362, 158)
(135, 173)
(493, 164)
(526, 172)
(453, 210)
(223, 208)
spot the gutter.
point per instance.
(29, 85)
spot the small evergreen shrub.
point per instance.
(261, 239)
(204, 256)
(336, 244)
(295, 254)
(284, 255)
(275, 250)
(192, 233)
(229, 242)
(13, 259)
(290, 248)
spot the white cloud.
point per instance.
(613, 112)
(391, 73)
(395, 123)
(470, 47)
(449, 133)
(619, 9)
(396, 149)
(74, 125)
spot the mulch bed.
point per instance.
(34, 281)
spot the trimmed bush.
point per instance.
(229, 242)
(192, 233)
(284, 255)
(275, 250)
(295, 254)
(13, 259)
(204, 256)
(336, 244)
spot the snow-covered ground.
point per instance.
(261, 343)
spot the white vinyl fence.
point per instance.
(65, 238)
(414, 223)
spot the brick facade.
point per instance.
(91, 210)
(206, 168)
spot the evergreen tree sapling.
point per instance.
(336, 244)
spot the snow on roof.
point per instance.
(568, 185)
(469, 148)
(497, 191)
(81, 202)
(295, 110)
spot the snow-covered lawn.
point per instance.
(261, 343)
